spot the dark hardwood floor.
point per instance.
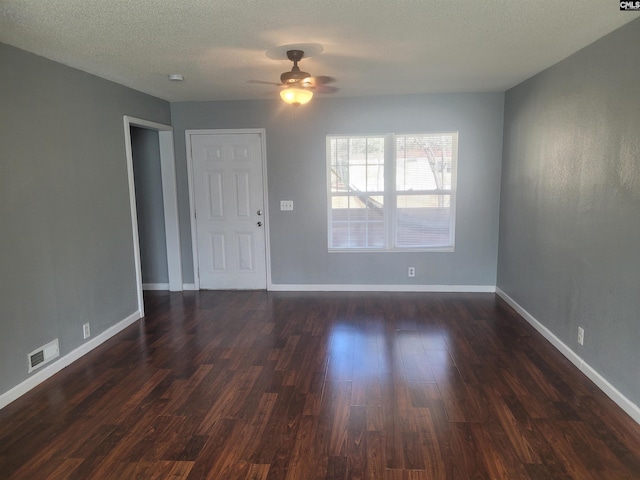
(255, 385)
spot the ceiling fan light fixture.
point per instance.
(296, 95)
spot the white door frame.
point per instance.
(192, 202)
(170, 201)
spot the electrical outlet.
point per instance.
(581, 335)
(286, 205)
(411, 271)
(86, 330)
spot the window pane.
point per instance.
(358, 177)
(423, 221)
(424, 162)
(375, 234)
(357, 221)
(357, 192)
(357, 164)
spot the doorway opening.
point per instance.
(169, 201)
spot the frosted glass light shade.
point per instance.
(296, 96)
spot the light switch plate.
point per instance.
(286, 205)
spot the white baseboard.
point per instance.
(47, 372)
(612, 392)
(166, 286)
(155, 286)
(315, 287)
(381, 288)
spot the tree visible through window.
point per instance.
(391, 192)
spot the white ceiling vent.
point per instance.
(43, 355)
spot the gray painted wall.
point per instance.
(570, 206)
(145, 149)
(66, 253)
(296, 171)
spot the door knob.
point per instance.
(259, 212)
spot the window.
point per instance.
(391, 192)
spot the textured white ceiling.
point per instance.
(371, 47)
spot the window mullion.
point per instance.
(329, 192)
(390, 188)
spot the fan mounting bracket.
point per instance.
(295, 55)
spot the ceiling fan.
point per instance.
(297, 86)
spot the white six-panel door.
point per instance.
(228, 195)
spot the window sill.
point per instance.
(384, 250)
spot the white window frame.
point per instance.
(390, 194)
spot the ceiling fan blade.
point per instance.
(324, 89)
(264, 83)
(319, 80)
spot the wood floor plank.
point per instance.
(300, 466)
(430, 448)
(64, 470)
(356, 443)
(257, 472)
(303, 386)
